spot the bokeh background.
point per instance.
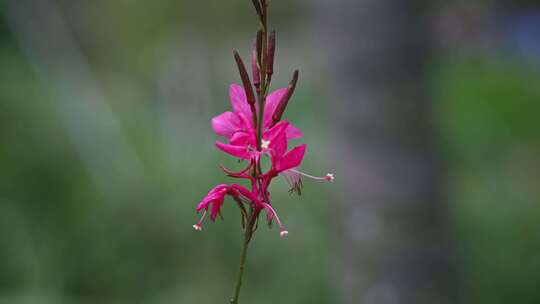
(426, 111)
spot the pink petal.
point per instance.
(202, 205)
(278, 147)
(272, 101)
(216, 206)
(236, 151)
(275, 131)
(247, 121)
(239, 139)
(239, 174)
(245, 192)
(226, 124)
(293, 132)
(213, 194)
(292, 159)
(239, 100)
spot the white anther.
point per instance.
(329, 177)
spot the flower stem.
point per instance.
(247, 237)
(265, 83)
(261, 7)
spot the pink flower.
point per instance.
(286, 164)
(283, 160)
(238, 127)
(216, 197)
(246, 149)
(255, 132)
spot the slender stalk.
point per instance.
(247, 237)
(262, 58)
(264, 82)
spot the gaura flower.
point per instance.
(238, 127)
(246, 149)
(253, 130)
(286, 164)
(216, 197)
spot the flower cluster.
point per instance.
(253, 130)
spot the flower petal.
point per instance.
(293, 132)
(226, 124)
(245, 192)
(215, 193)
(240, 139)
(275, 131)
(292, 159)
(236, 151)
(272, 101)
(239, 100)
(216, 206)
(278, 147)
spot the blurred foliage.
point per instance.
(487, 114)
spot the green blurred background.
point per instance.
(106, 148)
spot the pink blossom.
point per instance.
(216, 197)
(240, 128)
(244, 148)
(254, 130)
(286, 163)
(237, 126)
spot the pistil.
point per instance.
(282, 231)
(329, 177)
(198, 226)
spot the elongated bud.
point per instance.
(245, 79)
(257, 6)
(255, 67)
(259, 47)
(264, 6)
(271, 53)
(285, 99)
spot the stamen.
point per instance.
(283, 232)
(198, 226)
(329, 177)
(294, 181)
(264, 144)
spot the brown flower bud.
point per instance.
(271, 53)
(259, 47)
(245, 79)
(285, 99)
(257, 6)
(255, 68)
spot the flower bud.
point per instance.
(271, 53)
(255, 68)
(245, 79)
(257, 7)
(285, 99)
(263, 6)
(259, 47)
